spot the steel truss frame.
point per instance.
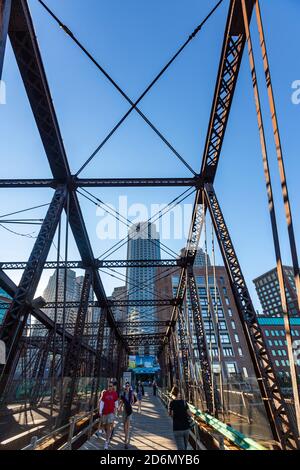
(273, 400)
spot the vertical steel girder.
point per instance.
(23, 40)
(174, 359)
(272, 212)
(16, 317)
(201, 340)
(231, 56)
(277, 412)
(5, 7)
(72, 363)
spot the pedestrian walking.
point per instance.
(139, 394)
(126, 402)
(180, 413)
(154, 386)
(108, 406)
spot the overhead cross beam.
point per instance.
(25, 46)
(98, 263)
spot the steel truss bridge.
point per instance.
(100, 349)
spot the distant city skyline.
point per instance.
(121, 37)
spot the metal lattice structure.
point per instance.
(100, 348)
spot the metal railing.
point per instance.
(69, 430)
(220, 432)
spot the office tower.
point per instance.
(219, 304)
(143, 243)
(4, 298)
(73, 294)
(267, 288)
(201, 258)
(119, 312)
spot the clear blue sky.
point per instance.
(133, 39)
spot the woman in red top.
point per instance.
(107, 409)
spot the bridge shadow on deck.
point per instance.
(150, 430)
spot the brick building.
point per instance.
(274, 334)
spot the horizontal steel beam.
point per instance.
(97, 182)
(111, 303)
(142, 324)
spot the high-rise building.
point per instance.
(119, 312)
(4, 298)
(143, 244)
(267, 288)
(275, 339)
(218, 301)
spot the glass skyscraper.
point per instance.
(4, 298)
(143, 244)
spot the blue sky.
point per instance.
(133, 40)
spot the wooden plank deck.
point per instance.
(150, 430)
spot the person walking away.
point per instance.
(139, 394)
(179, 411)
(116, 389)
(107, 410)
(126, 402)
(100, 430)
(154, 388)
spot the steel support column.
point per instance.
(72, 362)
(5, 7)
(276, 409)
(16, 317)
(201, 339)
(272, 211)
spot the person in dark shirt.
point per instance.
(180, 413)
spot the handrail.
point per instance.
(231, 434)
(35, 442)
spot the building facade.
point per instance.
(73, 294)
(143, 244)
(274, 334)
(267, 288)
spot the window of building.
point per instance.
(228, 352)
(224, 338)
(240, 351)
(237, 339)
(231, 367)
(233, 325)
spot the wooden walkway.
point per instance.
(150, 430)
